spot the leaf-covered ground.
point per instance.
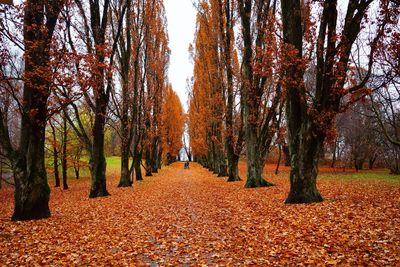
(191, 218)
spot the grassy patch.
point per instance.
(363, 175)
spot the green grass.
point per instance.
(113, 163)
(362, 176)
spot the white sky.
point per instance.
(181, 17)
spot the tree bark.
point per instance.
(124, 180)
(257, 135)
(138, 170)
(233, 170)
(97, 159)
(255, 165)
(64, 154)
(304, 141)
(303, 175)
(55, 156)
(32, 191)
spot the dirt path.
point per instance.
(190, 217)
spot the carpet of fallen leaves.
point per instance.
(192, 218)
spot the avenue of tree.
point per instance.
(90, 78)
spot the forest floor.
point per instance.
(190, 217)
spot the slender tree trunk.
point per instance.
(76, 169)
(334, 154)
(125, 147)
(1, 171)
(279, 159)
(155, 159)
(64, 154)
(124, 180)
(55, 156)
(371, 161)
(138, 170)
(77, 164)
(125, 141)
(285, 150)
(148, 162)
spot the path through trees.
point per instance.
(189, 216)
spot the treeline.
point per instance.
(88, 68)
(281, 73)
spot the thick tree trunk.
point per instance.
(304, 141)
(255, 166)
(31, 194)
(32, 191)
(233, 170)
(303, 176)
(98, 161)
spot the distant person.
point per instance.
(186, 165)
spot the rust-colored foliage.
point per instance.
(173, 122)
(189, 217)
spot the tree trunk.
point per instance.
(56, 172)
(233, 170)
(155, 159)
(285, 150)
(255, 165)
(371, 161)
(76, 169)
(304, 141)
(138, 170)
(32, 191)
(303, 176)
(125, 179)
(358, 163)
(279, 159)
(334, 154)
(64, 155)
(55, 156)
(148, 162)
(97, 160)
(1, 171)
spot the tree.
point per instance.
(311, 113)
(94, 74)
(261, 93)
(172, 125)
(31, 188)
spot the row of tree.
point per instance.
(87, 66)
(256, 61)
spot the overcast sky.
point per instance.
(181, 16)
